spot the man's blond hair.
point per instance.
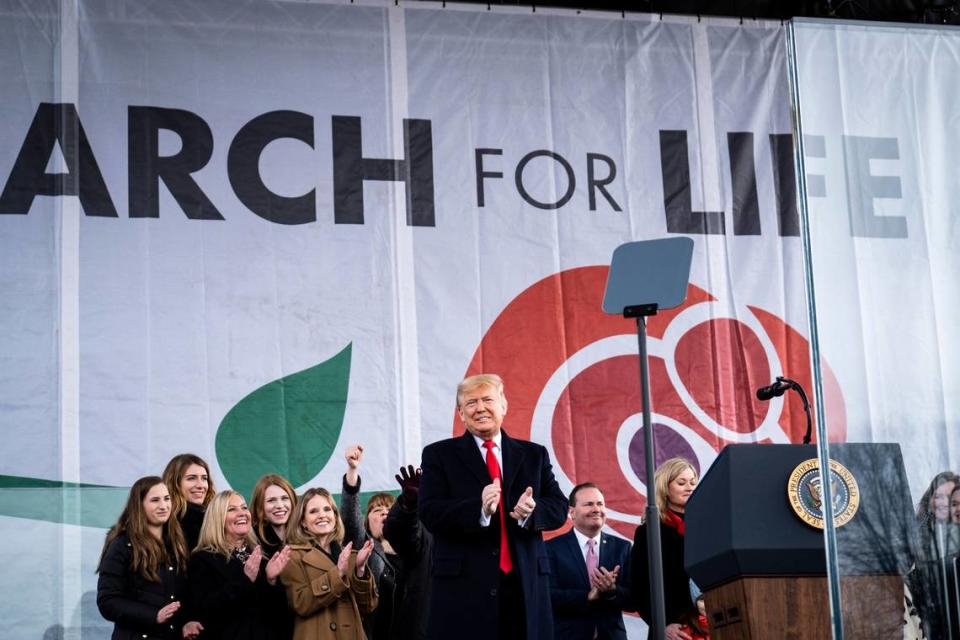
(481, 380)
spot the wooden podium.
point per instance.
(763, 569)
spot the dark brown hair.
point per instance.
(924, 512)
(148, 552)
(173, 476)
(377, 500)
(572, 500)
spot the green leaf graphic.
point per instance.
(88, 505)
(289, 426)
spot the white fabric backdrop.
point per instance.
(128, 339)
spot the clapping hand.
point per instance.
(362, 557)
(525, 505)
(167, 612)
(603, 580)
(277, 563)
(490, 498)
(675, 632)
(343, 562)
(252, 566)
(192, 629)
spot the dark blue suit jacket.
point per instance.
(575, 618)
(465, 573)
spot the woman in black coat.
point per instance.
(234, 590)
(191, 487)
(271, 504)
(141, 585)
(675, 480)
(413, 544)
(381, 623)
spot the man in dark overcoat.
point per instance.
(487, 498)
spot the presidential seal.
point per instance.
(806, 497)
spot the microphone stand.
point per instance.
(786, 385)
(806, 409)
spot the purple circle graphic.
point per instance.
(667, 444)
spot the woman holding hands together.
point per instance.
(234, 589)
(328, 587)
(142, 568)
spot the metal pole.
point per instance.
(823, 447)
(940, 540)
(654, 546)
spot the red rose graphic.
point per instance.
(573, 383)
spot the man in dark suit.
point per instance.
(588, 604)
(486, 498)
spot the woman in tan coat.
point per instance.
(328, 587)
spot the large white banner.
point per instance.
(877, 111)
(261, 231)
(877, 108)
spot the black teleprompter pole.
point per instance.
(654, 545)
(645, 277)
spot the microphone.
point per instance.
(780, 386)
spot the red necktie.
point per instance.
(493, 467)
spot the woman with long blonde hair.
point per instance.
(674, 481)
(191, 487)
(328, 586)
(142, 568)
(234, 589)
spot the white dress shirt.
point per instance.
(582, 541)
(484, 518)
